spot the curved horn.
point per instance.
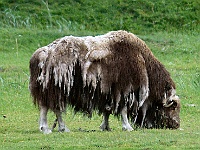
(168, 105)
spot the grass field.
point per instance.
(178, 50)
(19, 117)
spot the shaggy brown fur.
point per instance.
(105, 72)
(88, 73)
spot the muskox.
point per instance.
(108, 73)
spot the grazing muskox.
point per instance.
(108, 73)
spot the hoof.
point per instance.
(127, 128)
(64, 130)
(104, 128)
(45, 130)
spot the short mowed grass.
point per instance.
(179, 52)
(169, 28)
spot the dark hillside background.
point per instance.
(75, 15)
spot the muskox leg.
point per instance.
(134, 112)
(144, 111)
(118, 98)
(125, 123)
(105, 124)
(43, 126)
(143, 117)
(61, 124)
(143, 94)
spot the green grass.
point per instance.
(19, 129)
(170, 29)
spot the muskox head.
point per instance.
(162, 115)
(168, 114)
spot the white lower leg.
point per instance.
(61, 124)
(118, 97)
(43, 126)
(125, 123)
(142, 123)
(144, 111)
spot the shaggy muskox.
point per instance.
(113, 73)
